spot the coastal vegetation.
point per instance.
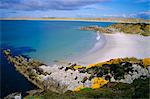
(134, 28)
(128, 28)
(116, 78)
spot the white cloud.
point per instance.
(47, 4)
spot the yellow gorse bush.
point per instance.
(98, 82)
(90, 65)
(77, 67)
(79, 88)
(112, 61)
(146, 62)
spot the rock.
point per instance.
(15, 95)
(108, 77)
(148, 69)
(128, 79)
(75, 78)
(74, 64)
(7, 52)
(66, 68)
(87, 83)
(61, 67)
(69, 78)
(112, 79)
(100, 74)
(84, 79)
(135, 77)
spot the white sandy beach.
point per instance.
(119, 45)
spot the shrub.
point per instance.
(77, 67)
(79, 88)
(98, 82)
(146, 62)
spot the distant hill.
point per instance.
(122, 20)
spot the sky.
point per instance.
(75, 8)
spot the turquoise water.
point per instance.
(49, 40)
(43, 40)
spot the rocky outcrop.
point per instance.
(129, 28)
(27, 67)
(66, 79)
(99, 29)
(55, 78)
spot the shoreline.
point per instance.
(99, 44)
(118, 20)
(119, 45)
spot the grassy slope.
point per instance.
(133, 28)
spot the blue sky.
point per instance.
(75, 8)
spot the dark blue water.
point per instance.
(43, 40)
(12, 81)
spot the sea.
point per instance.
(46, 41)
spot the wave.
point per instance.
(99, 44)
(98, 36)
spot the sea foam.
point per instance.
(99, 44)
